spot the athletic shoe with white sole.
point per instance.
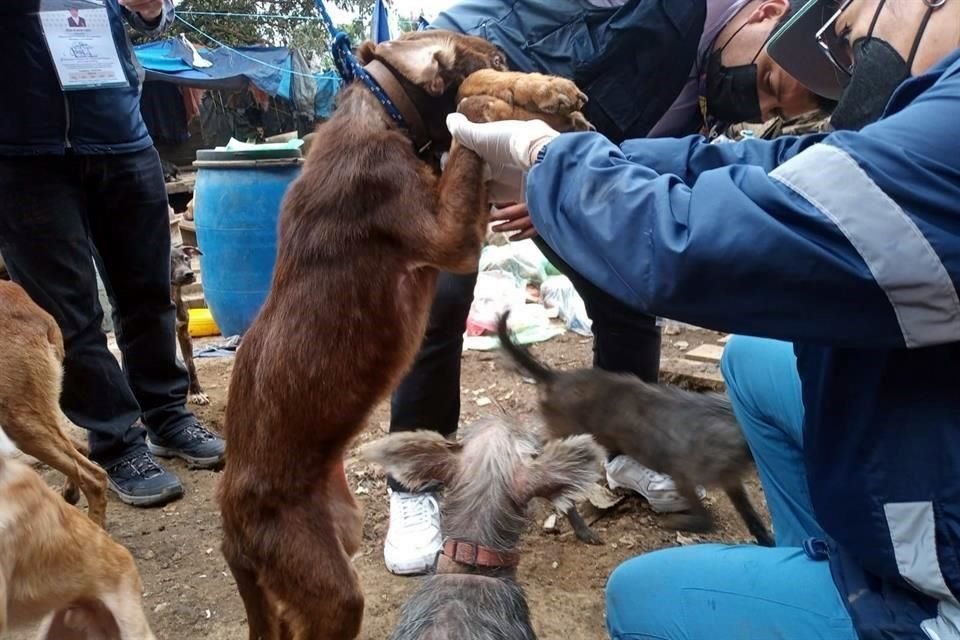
(413, 538)
(657, 488)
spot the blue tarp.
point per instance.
(270, 69)
(380, 27)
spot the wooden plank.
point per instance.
(183, 184)
(695, 376)
(705, 353)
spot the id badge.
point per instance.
(81, 44)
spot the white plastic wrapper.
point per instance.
(558, 292)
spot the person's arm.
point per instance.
(688, 157)
(148, 23)
(853, 242)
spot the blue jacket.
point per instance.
(847, 244)
(632, 61)
(40, 118)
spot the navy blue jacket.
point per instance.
(632, 61)
(846, 244)
(39, 118)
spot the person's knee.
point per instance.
(638, 589)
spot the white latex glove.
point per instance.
(506, 144)
(509, 147)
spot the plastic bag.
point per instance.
(523, 259)
(528, 323)
(558, 292)
(495, 292)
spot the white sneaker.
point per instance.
(413, 538)
(658, 488)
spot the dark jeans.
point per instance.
(55, 211)
(429, 396)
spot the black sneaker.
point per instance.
(140, 481)
(195, 444)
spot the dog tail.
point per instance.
(538, 371)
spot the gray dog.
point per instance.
(694, 437)
(488, 480)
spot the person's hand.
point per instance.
(515, 217)
(149, 10)
(508, 144)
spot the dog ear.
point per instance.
(422, 61)
(365, 52)
(415, 458)
(564, 471)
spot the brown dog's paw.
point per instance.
(485, 109)
(579, 122)
(548, 94)
(199, 399)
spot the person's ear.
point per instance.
(769, 10)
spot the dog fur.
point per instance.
(181, 275)
(693, 437)
(363, 233)
(31, 372)
(59, 568)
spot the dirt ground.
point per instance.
(189, 592)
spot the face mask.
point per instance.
(731, 92)
(877, 72)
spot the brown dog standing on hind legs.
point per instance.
(31, 372)
(363, 233)
(693, 437)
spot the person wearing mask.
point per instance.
(847, 245)
(79, 176)
(650, 69)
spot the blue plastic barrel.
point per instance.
(236, 206)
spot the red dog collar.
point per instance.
(474, 555)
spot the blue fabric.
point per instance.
(743, 592)
(39, 118)
(647, 220)
(169, 61)
(632, 61)
(264, 67)
(764, 388)
(718, 592)
(380, 27)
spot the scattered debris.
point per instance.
(550, 524)
(602, 498)
(483, 401)
(555, 564)
(683, 345)
(706, 353)
(686, 540)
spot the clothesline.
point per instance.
(241, 53)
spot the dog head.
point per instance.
(431, 65)
(181, 271)
(491, 475)
(435, 61)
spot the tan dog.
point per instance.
(59, 567)
(363, 233)
(31, 372)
